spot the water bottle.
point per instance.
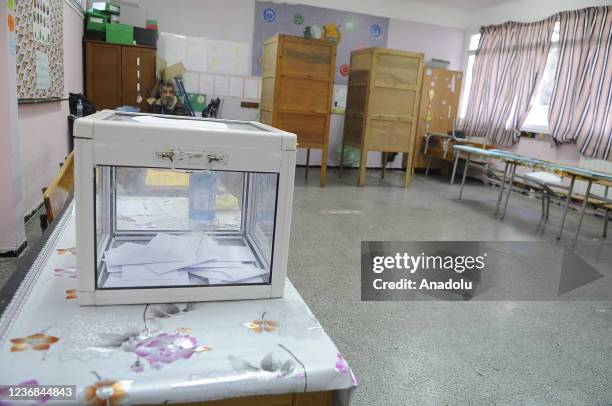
(202, 196)
(79, 108)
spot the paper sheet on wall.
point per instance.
(226, 57)
(339, 99)
(207, 83)
(41, 21)
(172, 48)
(236, 86)
(43, 77)
(221, 87)
(195, 54)
(251, 88)
(191, 80)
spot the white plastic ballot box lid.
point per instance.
(121, 126)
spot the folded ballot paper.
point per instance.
(175, 260)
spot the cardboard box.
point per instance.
(120, 34)
(173, 71)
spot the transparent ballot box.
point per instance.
(174, 209)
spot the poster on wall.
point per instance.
(351, 31)
(41, 21)
(39, 49)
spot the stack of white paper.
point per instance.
(169, 260)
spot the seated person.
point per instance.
(168, 103)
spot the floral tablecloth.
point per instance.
(159, 353)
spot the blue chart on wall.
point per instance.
(356, 31)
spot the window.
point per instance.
(537, 119)
(467, 84)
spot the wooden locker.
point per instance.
(111, 74)
(382, 103)
(132, 60)
(439, 108)
(103, 74)
(297, 90)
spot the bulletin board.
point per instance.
(39, 49)
(212, 67)
(356, 31)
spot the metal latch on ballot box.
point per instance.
(204, 158)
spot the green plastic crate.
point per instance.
(120, 34)
(95, 23)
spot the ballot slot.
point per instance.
(159, 227)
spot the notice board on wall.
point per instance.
(212, 67)
(39, 49)
(352, 30)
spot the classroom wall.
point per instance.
(43, 128)
(436, 41)
(12, 231)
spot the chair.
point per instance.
(58, 192)
(542, 182)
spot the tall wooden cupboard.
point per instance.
(297, 90)
(439, 110)
(382, 103)
(113, 74)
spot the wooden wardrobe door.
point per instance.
(103, 74)
(136, 59)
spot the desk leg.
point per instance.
(323, 177)
(384, 165)
(509, 191)
(363, 161)
(567, 203)
(307, 163)
(454, 168)
(428, 165)
(606, 215)
(341, 160)
(501, 188)
(584, 205)
(465, 171)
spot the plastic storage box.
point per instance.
(144, 36)
(176, 209)
(106, 7)
(95, 21)
(120, 34)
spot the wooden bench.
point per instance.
(58, 192)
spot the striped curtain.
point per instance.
(581, 102)
(508, 67)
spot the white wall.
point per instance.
(208, 13)
(43, 128)
(12, 231)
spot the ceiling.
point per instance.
(465, 5)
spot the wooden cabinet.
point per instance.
(297, 87)
(438, 111)
(382, 103)
(111, 74)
